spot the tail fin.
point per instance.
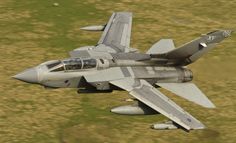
(162, 46)
(190, 52)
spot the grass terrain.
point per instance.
(36, 31)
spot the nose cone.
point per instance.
(29, 75)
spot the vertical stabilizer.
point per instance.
(191, 51)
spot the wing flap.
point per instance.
(188, 91)
(153, 98)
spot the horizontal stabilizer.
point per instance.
(162, 46)
(188, 91)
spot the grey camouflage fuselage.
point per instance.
(140, 70)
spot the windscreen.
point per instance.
(78, 63)
(89, 63)
(59, 68)
(73, 64)
(53, 64)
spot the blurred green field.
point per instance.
(36, 31)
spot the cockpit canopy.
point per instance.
(72, 64)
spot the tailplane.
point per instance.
(188, 91)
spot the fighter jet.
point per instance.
(113, 65)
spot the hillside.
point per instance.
(35, 31)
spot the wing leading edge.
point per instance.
(153, 98)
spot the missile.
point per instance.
(94, 28)
(165, 126)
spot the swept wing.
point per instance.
(153, 98)
(118, 32)
(115, 38)
(147, 94)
